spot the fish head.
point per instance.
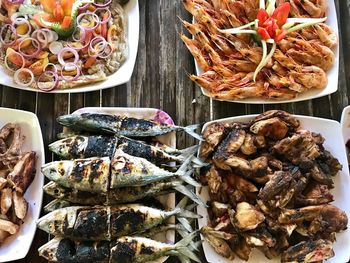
(54, 190)
(57, 171)
(49, 250)
(68, 120)
(69, 147)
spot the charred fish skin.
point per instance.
(68, 251)
(83, 174)
(127, 170)
(80, 146)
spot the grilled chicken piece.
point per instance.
(299, 149)
(231, 144)
(219, 245)
(17, 138)
(20, 205)
(240, 165)
(248, 147)
(259, 166)
(260, 237)
(8, 226)
(23, 173)
(328, 163)
(241, 183)
(214, 133)
(242, 249)
(284, 116)
(247, 217)
(308, 251)
(3, 182)
(279, 181)
(315, 194)
(316, 137)
(6, 200)
(219, 209)
(205, 150)
(273, 128)
(260, 141)
(214, 180)
(318, 174)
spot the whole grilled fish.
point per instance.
(80, 146)
(56, 204)
(121, 250)
(120, 195)
(105, 222)
(121, 125)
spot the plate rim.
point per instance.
(32, 117)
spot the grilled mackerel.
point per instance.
(105, 222)
(81, 146)
(120, 195)
(121, 125)
(121, 250)
(101, 174)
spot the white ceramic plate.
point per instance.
(312, 94)
(169, 139)
(17, 246)
(345, 123)
(331, 131)
(121, 76)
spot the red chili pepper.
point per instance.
(262, 16)
(263, 33)
(280, 34)
(281, 14)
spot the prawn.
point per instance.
(315, 8)
(326, 35)
(311, 77)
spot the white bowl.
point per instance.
(17, 246)
(121, 76)
(332, 133)
(332, 74)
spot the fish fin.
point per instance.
(183, 259)
(191, 131)
(194, 246)
(182, 247)
(183, 202)
(187, 214)
(188, 179)
(184, 166)
(185, 153)
(190, 194)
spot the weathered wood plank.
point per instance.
(76, 101)
(9, 97)
(92, 99)
(115, 97)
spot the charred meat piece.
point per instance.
(20, 205)
(248, 147)
(259, 166)
(308, 251)
(315, 194)
(238, 164)
(214, 133)
(247, 217)
(285, 116)
(242, 249)
(273, 128)
(231, 144)
(6, 200)
(23, 173)
(260, 237)
(205, 150)
(298, 149)
(278, 182)
(219, 209)
(320, 176)
(259, 141)
(240, 183)
(220, 245)
(214, 180)
(328, 163)
(16, 140)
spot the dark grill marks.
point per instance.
(100, 146)
(129, 124)
(123, 252)
(126, 222)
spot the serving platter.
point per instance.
(17, 246)
(332, 74)
(169, 139)
(332, 132)
(121, 76)
(345, 123)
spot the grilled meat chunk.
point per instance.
(214, 133)
(231, 144)
(284, 116)
(248, 147)
(247, 217)
(273, 128)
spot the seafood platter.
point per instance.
(113, 163)
(21, 156)
(263, 51)
(277, 189)
(68, 46)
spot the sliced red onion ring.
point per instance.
(82, 34)
(36, 45)
(107, 3)
(14, 53)
(15, 2)
(18, 15)
(4, 32)
(43, 85)
(19, 80)
(100, 13)
(97, 45)
(106, 51)
(83, 8)
(66, 50)
(20, 21)
(55, 47)
(49, 69)
(42, 36)
(84, 16)
(70, 67)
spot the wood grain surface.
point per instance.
(160, 80)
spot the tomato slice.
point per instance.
(263, 33)
(280, 34)
(281, 14)
(67, 6)
(262, 16)
(67, 20)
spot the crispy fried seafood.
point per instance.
(236, 64)
(269, 184)
(17, 171)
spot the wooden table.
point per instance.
(160, 80)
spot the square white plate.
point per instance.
(332, 74)
(345, 123)
(331, 131)
(121, 76)
(169, 139)
(17, 246)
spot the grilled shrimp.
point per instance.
(315, 8)
(311, 77)
(326, 35)
(197, 31)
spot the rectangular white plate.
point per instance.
(345, 123)
(331, 131)
(17, 246)
(121, 76)
(332, 74)
(169, 139)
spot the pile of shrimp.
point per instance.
(228, 61)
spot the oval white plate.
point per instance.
(332, 74)
(332, 133)
(123, 74)
(17, 246)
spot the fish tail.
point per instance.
(188, 179)
(190, 194)
(184, 166)
(182, 247)
(191, 131)
(185, 153)
(181, 213)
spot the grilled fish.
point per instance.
(121, 250)
(80, 146)
(121, 125)
(105, 222)
(121, 195)
(56, 204)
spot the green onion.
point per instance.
(263, 59)
(288, 25)
(262, 4)
(271, 7)
(311, 22)
(239, 31)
